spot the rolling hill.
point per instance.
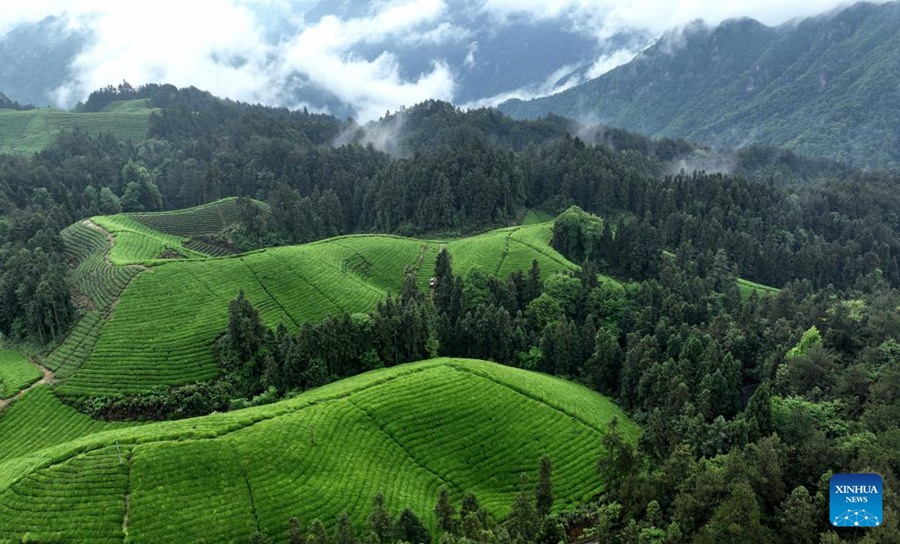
(31, 130)
(825, 86)
(151, 321)
(403, 431)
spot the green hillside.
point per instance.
(16, 373)
(145, 327)
(826, 86)
(30, 131)
(143, 238)
(39, 420)
(403, 431)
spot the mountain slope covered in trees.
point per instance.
(825, 86)
(747, 402)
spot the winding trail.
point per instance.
(47, 378)
(109, 237)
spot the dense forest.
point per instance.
(748, 403)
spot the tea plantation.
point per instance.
(166, 320)
(405, 431)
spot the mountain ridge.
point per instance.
(819, 87)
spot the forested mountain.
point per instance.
(748, 395)
(825, 86)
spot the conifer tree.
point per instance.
(380, 520)
(444, 511)
(544, 490)
(343, 532)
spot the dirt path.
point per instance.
(47, 378)
(109, 237)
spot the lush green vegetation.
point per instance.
(746, 403)
(39, 420)
(137, 243)
(158, 335)
(31, 131)
(747, 287)
(468, 425)
(16, 373)
(206, 219)
(821, 88)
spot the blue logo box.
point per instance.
(855, 500)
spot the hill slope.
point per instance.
(407, 431)
(152, 327)
(826, 86)
(30, 131)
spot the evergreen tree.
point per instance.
(522, 522)
(410, 529)
(544, 490)
(343, 531)
(533, 285)
(380, 520)
(317, 533)
(444, 511)
(443, 276)
(295, 533)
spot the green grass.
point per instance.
(16, 373)
(533, 217)
(404, 431)
(30, 131)
(747, 287)
(39, 420)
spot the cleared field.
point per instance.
(501, 252)
(39, 420)
(746, 287)
(199, 220)
(31, 131)
(16, 373)
(403, 431)
(136, 243)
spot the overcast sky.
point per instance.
(252, 51)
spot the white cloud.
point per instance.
(156, 44)
(606, 17)
(561, 79)
(323, 53)
(255, 50)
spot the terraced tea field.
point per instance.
(165, 322)
(30, 131)
(39, 420)
(199, 220)
(501, 252)
(167, 319)
(136, 243)
(404, 431)
(16, 373)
